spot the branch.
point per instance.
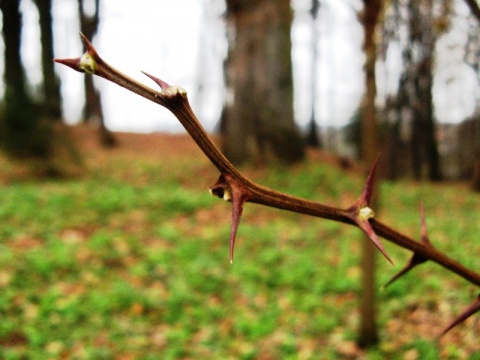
(233, 186)
(474, 8)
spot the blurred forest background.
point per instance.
(106, 262)
(288, 74)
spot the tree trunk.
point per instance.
(313, 138)
(259, 115)
(368, 334)
(21, 131)
(92, 112)
(51, 102)
(423, 142)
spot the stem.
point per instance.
(175, 99)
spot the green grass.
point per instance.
(131, 262)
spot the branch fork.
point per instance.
(416, 258)
(232, 186)
(231, 190)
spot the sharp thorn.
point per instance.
(163, 85)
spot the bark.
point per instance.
(21, 131)
(92, 112)
(368, 333)
(259, 116)
(313, 138)
(423, 142)
(51, 103)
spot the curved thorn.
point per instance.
(368, 189)
(163, 85)
(367, 229)
(87, 43)
(366, 195)
(415, 260)
(79, 63)
(360, 212)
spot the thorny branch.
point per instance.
(234, 187)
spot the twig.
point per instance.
(233, 186)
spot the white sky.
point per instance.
(182, 43)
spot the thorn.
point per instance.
(239, 198)
(367, 229)
(228, 189)
(469, 311)
(366, 196)
(88, 44)
(71, 63)
(163, 85)
(416, 258)
(85, 63)
(360, 211)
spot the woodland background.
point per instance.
(108, 246)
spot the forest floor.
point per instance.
(127, 258)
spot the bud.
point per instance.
(366, 213)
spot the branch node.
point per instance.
(168, 91)
(87, 63)
(360, 212)
(163, 85)
(416, 258)
(230, 190)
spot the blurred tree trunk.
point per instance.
(92, 112)
(22, 133)
(414, 100)
(51, 102)
(313, 138)
(470, 150)
(259, 115)
(368, 333)
(423, 141)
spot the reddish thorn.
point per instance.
(228, 189)
(367, 229)
(415, 260)
(355, 211)
(163, 85)
(88, 45)
(72, 63)
(469, 311)
(238, 200)
(367, 192)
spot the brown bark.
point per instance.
(259, 119)
(93, 112)
(51, 103)
(21, 132)
(423, 142)
(368, 333)
(313, 137)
